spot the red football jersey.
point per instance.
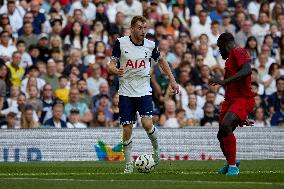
(241, 88)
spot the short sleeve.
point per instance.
(116, 53)
(156, 53)
(241, 56)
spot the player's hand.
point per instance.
(247, 122)
(174, 89)
(120, 71)
(214, 80)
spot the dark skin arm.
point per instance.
(244, 71)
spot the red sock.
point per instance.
(230, 148)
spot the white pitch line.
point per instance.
(169, 172)
(161, 181)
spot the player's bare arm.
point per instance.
(166, 68)
(244, 71)
(113, 68)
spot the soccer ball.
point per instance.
(145, 163)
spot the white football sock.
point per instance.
(127, 150)
(153, 136)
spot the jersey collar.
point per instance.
(135, 43)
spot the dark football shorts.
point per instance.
(128, 106)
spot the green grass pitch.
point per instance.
(168, 175)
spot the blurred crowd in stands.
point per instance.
(54, 56)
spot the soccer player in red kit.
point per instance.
(239, 98)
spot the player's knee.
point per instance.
(226, 129)
(147, 123)
(127, 130)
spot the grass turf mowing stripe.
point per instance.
(167, 181)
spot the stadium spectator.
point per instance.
(27, 121)
(47, 102)
(253, 9)
(15, 13)
(99, 120)
(244, 33)
(129, 8)
(221, 6)
(104, 104)
(44, 51)
(210, 118)
(274, 99)
(29, 18)
(98, 32)
(168, 119)
(32, 71)
(50, 76)
(118, 25)
(274, 52)
(11, 122)
(267, 51)
(4, 21)
(5, 76)
(102, 16)
(26, 60)
(213, 35)
(55, 121)
(111, 10)
(277, 9)
(181, 118)
(74, 120)
(62, 92)
(254, 78)
(262, 66)
(56, 27)
(269, 80)
(226, 25)
(27, 35)
(278, 117)
(203, 26)
(87, 7)
(84, 94)
(34, 101)
(103, 90)
(252, 49)
(12, 99)
(260, 118)
(169, 30)
(6, 48)
(77, 17)
(260, 28)
(115, 110)
(96, 80)
(39, 18)
(55, 43)
(17, 72)
(192, 111)
(76, 37)
(85, 113)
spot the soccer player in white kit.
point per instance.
(131, 61)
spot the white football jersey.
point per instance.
(136, 60)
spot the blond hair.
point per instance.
(25, 124)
